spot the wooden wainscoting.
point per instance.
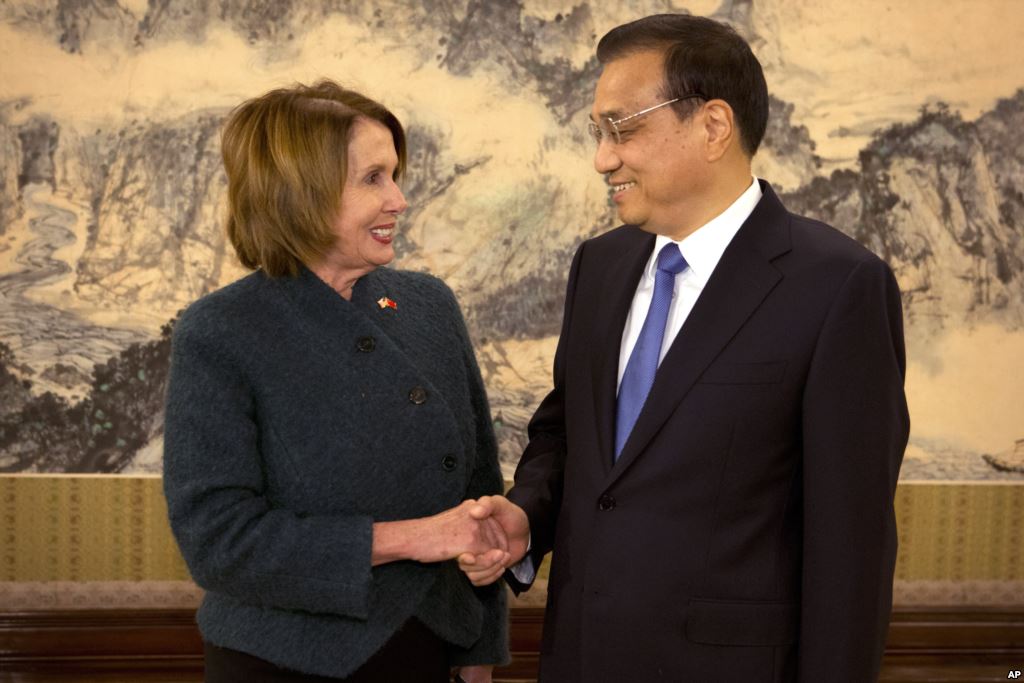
(955, 644)
(140, 646)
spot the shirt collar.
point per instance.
(703, 248)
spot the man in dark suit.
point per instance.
(715, 466)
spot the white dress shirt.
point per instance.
(702, 249)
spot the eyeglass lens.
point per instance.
(602, 130)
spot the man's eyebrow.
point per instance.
(613, 114)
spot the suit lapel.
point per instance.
(621, 278)
(741, 281)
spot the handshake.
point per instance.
(486, 536)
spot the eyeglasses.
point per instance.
(606, 128)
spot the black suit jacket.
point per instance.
(746, 533)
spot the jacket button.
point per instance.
(449, 462)
(605, 503)
(366, 344)
(418, 396)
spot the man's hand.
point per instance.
(487, 567)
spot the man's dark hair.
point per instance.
(702, 56)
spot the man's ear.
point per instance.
(719, 129)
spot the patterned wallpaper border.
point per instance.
(62, 595)
(960, 532)
(91, 528)
(103, 541)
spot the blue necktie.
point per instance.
(643, 361)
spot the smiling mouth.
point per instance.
(383, 231)
(622, 187)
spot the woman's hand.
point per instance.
(479, 673)
(454, 531)
(441, 537)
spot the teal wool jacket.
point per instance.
(295, 420)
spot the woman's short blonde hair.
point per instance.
(285, 155)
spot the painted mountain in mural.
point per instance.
(111, 223)
(939, 200)
(926, 197)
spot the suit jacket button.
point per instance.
(366, 344)
(448, 462)
(418, 396)
(605, 503)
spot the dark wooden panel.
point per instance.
(93, 634)
(944, 673)
(992, 630)
(163, 646)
